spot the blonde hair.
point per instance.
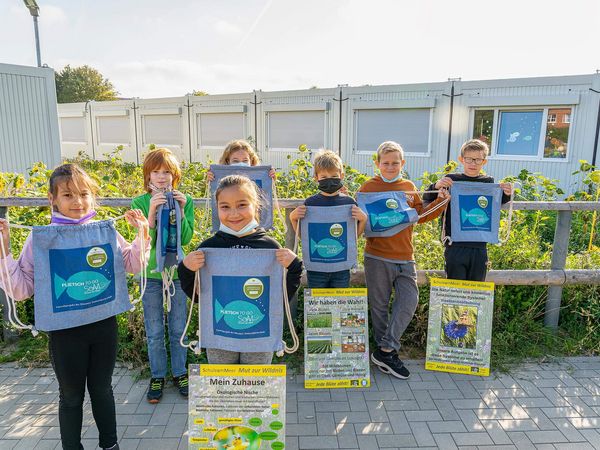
(328, 161)
(389, 147)
(75, 176)
(475, 145)
(157, 158)
(246, 185)
(234, 146)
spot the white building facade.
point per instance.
(540, 124)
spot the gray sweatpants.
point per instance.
(381, 277)
(218, 356)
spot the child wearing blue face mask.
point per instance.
(238, 206)
(329, 173)
(238, 153)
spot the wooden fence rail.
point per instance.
(555, 277)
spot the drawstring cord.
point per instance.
(194, 346)
(13, 317)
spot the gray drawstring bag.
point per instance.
(328, 238)
(475, 209)
(79, 275)
(388, 212)
(241, 300)
(168, 234)
(258, 174)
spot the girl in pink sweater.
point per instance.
(87, 353)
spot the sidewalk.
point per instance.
(537, 406)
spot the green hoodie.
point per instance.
(187, 228)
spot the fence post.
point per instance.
(560, 249)
(290, 237)
(8, 334)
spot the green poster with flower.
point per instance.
(236, 407)
(459, 335)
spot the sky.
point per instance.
(159, 48)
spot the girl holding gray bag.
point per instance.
(76, 268)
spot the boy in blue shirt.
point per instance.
(329, 173)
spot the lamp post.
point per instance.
(34, 10)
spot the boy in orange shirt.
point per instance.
(390, 263)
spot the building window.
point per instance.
(286, 130)
(409, 127)
(483, 125)
(557, 134)
(217, 129)
(519, 132)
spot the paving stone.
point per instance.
(396, 441)
(422, 434)
(318, 442)
(546, 437)
(445, 441)
(472, 439)
(496, 432)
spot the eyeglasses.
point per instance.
(473, 160)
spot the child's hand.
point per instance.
(443, 194)
(210, 176)
(445, 182)
(136, 218)
(358, 214)
(507, 188)
(285, 256)
(272, 173)
(5, 231)
(181, 199)
(157, 199)
(194, 261)
(298, 213)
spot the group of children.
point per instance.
(87, 354)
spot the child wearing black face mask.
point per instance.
(329, 173)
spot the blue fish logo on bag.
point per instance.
(79, 275)
(328, 242)
(388, 213)
(328, 238)
(241, 312)
(240, 305)
(89, 286)
(81, 286)
(475, 211)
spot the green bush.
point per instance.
(518, 319)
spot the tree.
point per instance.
(199, 93)
(81, 84)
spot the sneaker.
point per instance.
(388, 362)
(155, 390)
(182, 384)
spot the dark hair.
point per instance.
(73, 174)
(244, 183)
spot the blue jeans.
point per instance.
(339, 279)
(154, 321)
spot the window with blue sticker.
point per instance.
(241, 306)
(519, 133)
(475, 212)
(81, 277)
(328, 242)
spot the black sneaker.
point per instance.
(182, 384)
(388, 362)
(155, 390)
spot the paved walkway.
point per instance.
(537, 406)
